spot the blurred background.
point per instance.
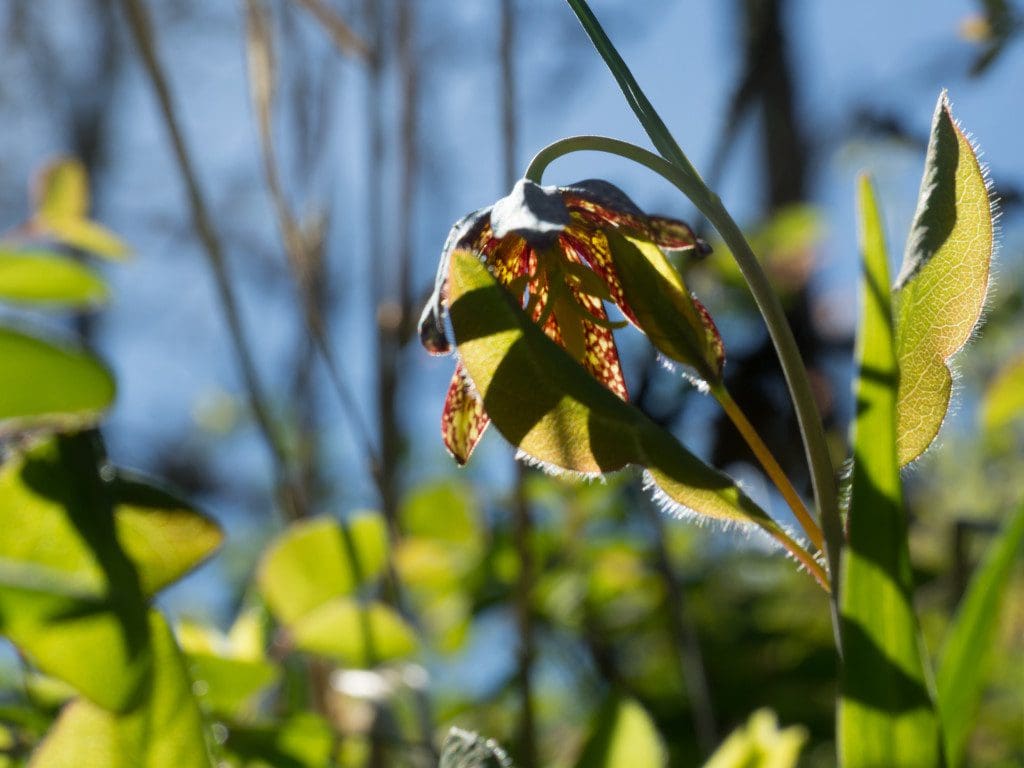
(286, 172)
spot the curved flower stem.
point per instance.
(688, 181)
(768, 463)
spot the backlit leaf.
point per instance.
(354, 634)
(42, 278)
(622, 736)
(62, 189)
(41, 383)
(941, 289)
(164, 730)
(164, 536)
(86, 235)
(760, 743)
(886, 716)
(227, 686)
(544, 403)
(1003, 401)
(69, 597)
(312, 562)
(962, 668)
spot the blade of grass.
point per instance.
(968, 647)
(886, 715)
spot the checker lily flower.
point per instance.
(564, 252)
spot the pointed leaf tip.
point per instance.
(941, 289)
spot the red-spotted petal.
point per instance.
(592, 246)
(463, 420)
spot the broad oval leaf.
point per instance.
(41, 383)
(69, 597)
(941, 289)
(886, 716)
(164, 536)
(47, 279)
(354, 634)
(165, 730)
(545, 404)
(317, 560)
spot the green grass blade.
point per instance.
(886, 716)
(941, 289)
(968, 648)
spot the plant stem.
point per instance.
(768, 463)
(688, 181)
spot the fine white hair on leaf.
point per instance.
(556, 471)
(676, 370)
(680, 511)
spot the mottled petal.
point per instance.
(601, 357)
(431, 325)
(674, 235)
(463, 420)
(592, 246)
(715, 343)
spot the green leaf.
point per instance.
(62, 189)
(942, 285)
(69, 597)
(43, 278)
(886, 717)
(1003, 400)
(965, 657)
(304, 740)
(86, 236)
(760, 743)
(164, 536)
(464, 749)
(622, 736)
(62, 207)
(354, 634)
(44, 384)
(663, 306)
(317, 560)
(546, 404)
(165, 730)
(228, 687)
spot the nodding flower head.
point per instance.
(563, 252)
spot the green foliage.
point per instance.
(44, 278)
(941, 288)
(47, 384)
(886, 716)
(162, 730)
(760, 743)
(623, 735)
(320, 559)
(62, 208)
(1003, 401)
(964, 664)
